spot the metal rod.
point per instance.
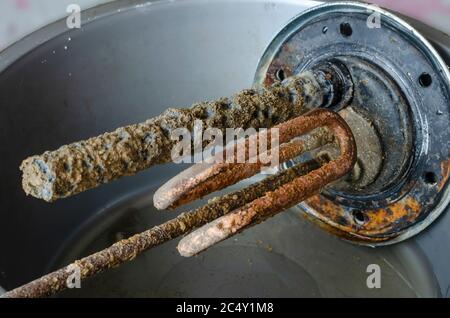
(286, 195)
(128, 249)
(204, 178)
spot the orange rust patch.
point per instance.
(326, 207)
(385, 220)
(445, 169)
(381, 222)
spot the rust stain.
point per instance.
(381, 223)
(276, 65)
(327, 207)
(445, 170)
(341, 232)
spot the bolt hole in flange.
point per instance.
(280, 75)
(359, 217)
(425, 80)
(346, 29)
(387, 104)
(430, 178)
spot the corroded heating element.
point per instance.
(199, 180)
(203, 178)
(286, 183)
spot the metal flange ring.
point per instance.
(402, 88)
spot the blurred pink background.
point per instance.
(21, 17)
(434, 12)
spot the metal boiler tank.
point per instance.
(130, 60)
